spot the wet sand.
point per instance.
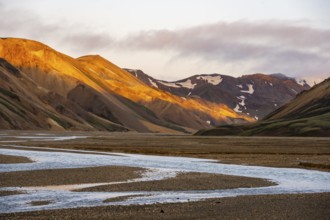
(10, 193)
(69, 176)
(6, 159)
(186, 181)
(40, 203)
(305, 206)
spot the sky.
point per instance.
(175, 39)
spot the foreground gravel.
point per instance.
(306, 206)
(312, 153)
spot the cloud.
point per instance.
(222, 32)
(271, 46)
(241, 46)
(26, 24)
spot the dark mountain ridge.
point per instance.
(255, 95)
(306, 115)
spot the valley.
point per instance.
(164, 110)
(42, 88)
(83, 137)
(85, 163)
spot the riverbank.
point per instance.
(301, 206)
(69, 176)
(6, 159)
(293, 152)
(260, 151)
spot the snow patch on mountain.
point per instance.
(187, 84)
(169, 84)
(293, 90)
(242, 98)
(269, 83)
(214, 80)
(250, 89)
(236, 109)
(240, 86)
(133, 71)
(301, 82)
(152, 83)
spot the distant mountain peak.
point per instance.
(280, 76)
(255, 95)
(213, 79)
(302, 82)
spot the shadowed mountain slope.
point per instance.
(25, 105)
(307, 115)
(95, 86)
(255, 95)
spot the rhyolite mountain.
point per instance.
(25, 105)
(255, 95)
(41, 88)
(306, 115)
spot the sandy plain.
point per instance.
(297, 152)
(310, 153)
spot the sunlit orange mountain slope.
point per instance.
(109, 93)
(25, 105)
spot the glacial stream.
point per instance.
(289, 180)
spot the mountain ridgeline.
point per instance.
(306, 115)
(254, 95)
(43, 89)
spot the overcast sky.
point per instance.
(174, 39)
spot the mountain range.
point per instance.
(254, 95)
(43, 89)
(306, 115)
